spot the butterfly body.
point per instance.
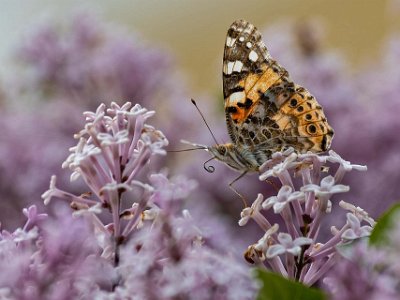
(243, 159)
(265, 110)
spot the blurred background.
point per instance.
(58, 59)
(194, 30)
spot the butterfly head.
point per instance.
(219, 151)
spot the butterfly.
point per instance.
(265, 110)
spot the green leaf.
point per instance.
(379, 235)
(275, 287)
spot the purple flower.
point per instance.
(365, 274)
(278, 169)
(64, 71)
(169, 261)
(166, 192)
(280, 201)
(117, 147)
(52, 260)
(303, 202)
(355, 231)
(345, 166)
(147, 246)
(360, 213)
(90, 62)
(326, 189)
(33, 216)
(264, 243)
(254, 213)
(287, 244)
(155, 249)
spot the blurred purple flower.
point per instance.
(170, 261)
(88, 62)
(55, 259)
(365, 274)
(167, 192)
(32, 145)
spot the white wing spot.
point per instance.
(228, 68)
(253, 56)
(249, 45)
(232, 66)
(241, 39)
(238, 65)
(236, 97)
(230, 41)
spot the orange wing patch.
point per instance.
(301, 115)
(248, 92)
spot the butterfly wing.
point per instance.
(263, 107)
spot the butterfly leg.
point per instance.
(235, 191)
(273, 184)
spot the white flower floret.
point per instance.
(287, 245)
(247, 212)
(355, 231)
(327, 187)
(284, 197)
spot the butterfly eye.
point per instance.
(222, 150)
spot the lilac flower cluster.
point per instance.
(152, 248)
(112, 150)
(294, 249)
(367, 272)
(66, 67)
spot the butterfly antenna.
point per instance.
(205, 122)
(189, 149)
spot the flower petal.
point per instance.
(275, 250)
(285, 239)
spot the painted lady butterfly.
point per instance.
(265, 110)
